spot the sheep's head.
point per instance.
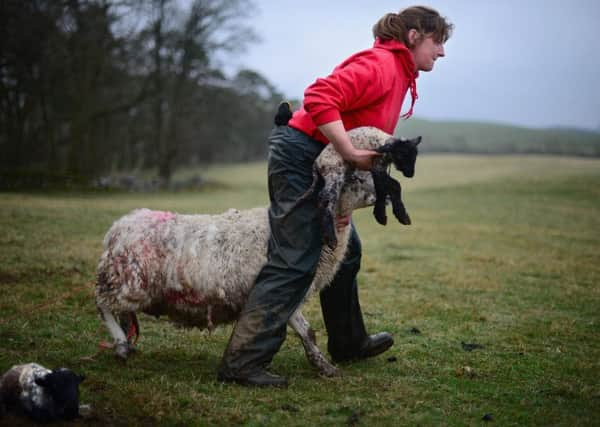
(357, 192)
(402, 152)
(63, 386)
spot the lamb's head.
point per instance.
(402, 152)
(63, 386)
(357, 192)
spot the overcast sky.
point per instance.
(527, 62)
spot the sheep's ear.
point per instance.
(417, 140)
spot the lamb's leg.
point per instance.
(309, 341)
(380, 183)
(328, 198)
(120, 339)
(395, 192)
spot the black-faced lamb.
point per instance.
(40, 393)
(199, 269)
(332, 169)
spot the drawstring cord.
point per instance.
(414, 96)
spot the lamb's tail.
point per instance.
(284, 113)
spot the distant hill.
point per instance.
(488, 138)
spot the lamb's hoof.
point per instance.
(404, 219)
(122, 350)
(131, 347)
(380, 216)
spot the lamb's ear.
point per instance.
(417, 140)
(42, 381)
(388, 146)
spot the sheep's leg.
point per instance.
(129, 324)
(380, 183)
(120, 339)
(328, 198)
(395, 192)
(309, 340)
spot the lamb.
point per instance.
(332, 169)
(40, 393)
(198, 269)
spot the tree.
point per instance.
(91, 86)
(185, 58)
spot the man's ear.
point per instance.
(413, 37)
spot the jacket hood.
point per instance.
(406, 58)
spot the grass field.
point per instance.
(503, 252)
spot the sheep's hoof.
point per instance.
(325, 368)
(122, 350)
(329, 371)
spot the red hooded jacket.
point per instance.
(367, 89)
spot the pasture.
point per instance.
(503, 252)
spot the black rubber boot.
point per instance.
(293, 253)
(348, 338)
(257, 379)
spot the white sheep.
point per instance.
(199, 269)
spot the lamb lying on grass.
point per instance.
(199, 269)
(40, 393)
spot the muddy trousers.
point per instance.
(293, 253)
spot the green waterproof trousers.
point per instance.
(293, 253)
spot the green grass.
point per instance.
(503, 251)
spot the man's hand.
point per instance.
(342, 222)
(363, 159)
(336, 134)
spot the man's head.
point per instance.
(421, 29)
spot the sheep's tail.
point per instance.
(308, 193)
